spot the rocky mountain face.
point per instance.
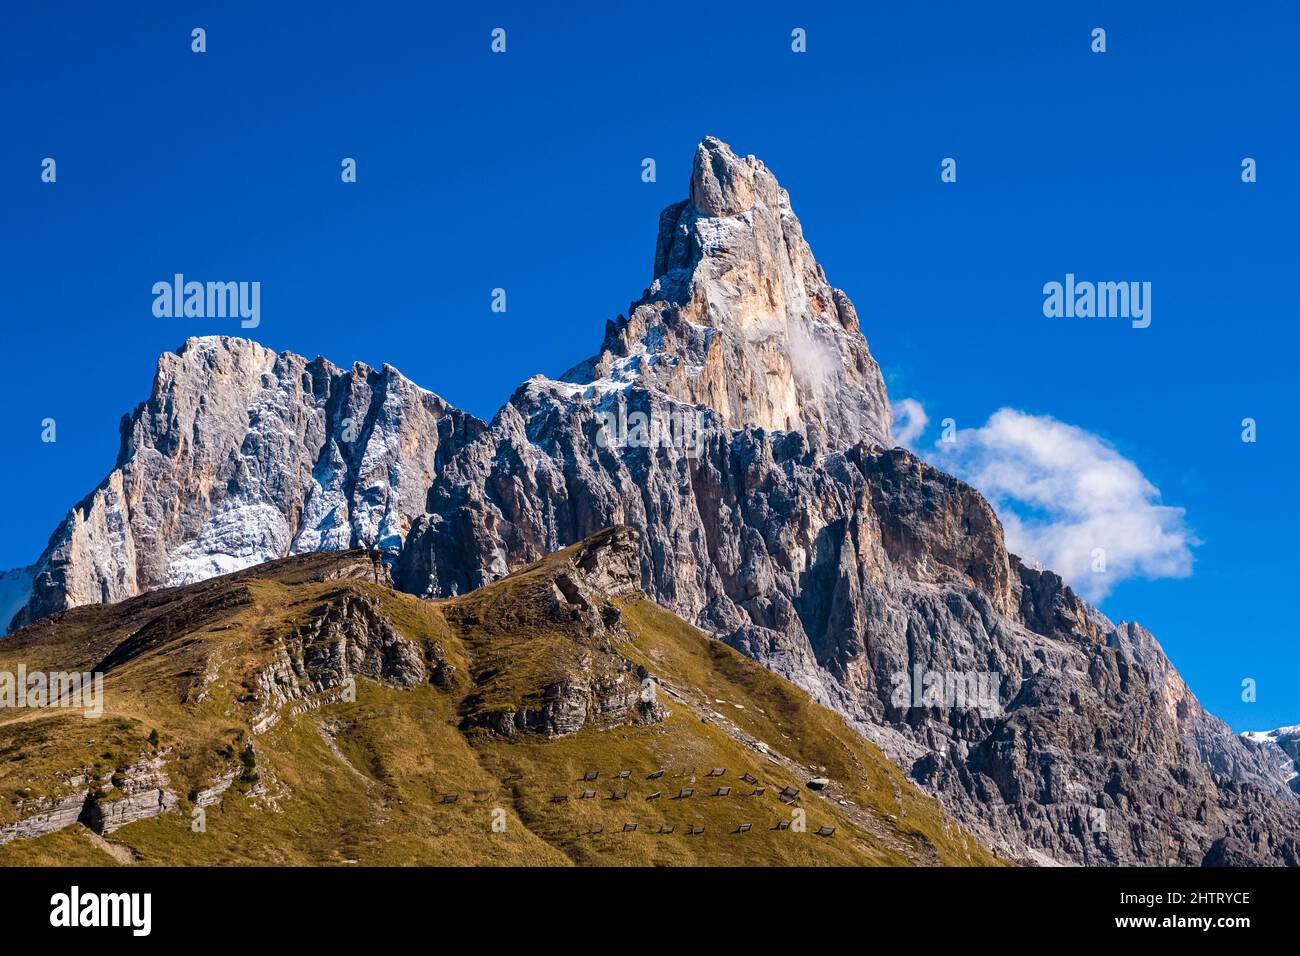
(239, 456)
(738, 420)
(1282, 749)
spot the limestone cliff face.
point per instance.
(783, 523)
(740, 317)
(241, 455)
(105, 803)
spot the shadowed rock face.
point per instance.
(787, 527)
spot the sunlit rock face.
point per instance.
(241, 455)
(740, 317)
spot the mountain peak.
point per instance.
(723, 184)
(740, 317)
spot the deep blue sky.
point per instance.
(523, 171)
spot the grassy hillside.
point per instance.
(433, 773)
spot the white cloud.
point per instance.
(1062, 493)
(910, 420)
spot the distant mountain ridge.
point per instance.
(790, 529)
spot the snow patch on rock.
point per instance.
(240, 535)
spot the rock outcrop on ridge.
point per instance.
(737, 419)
